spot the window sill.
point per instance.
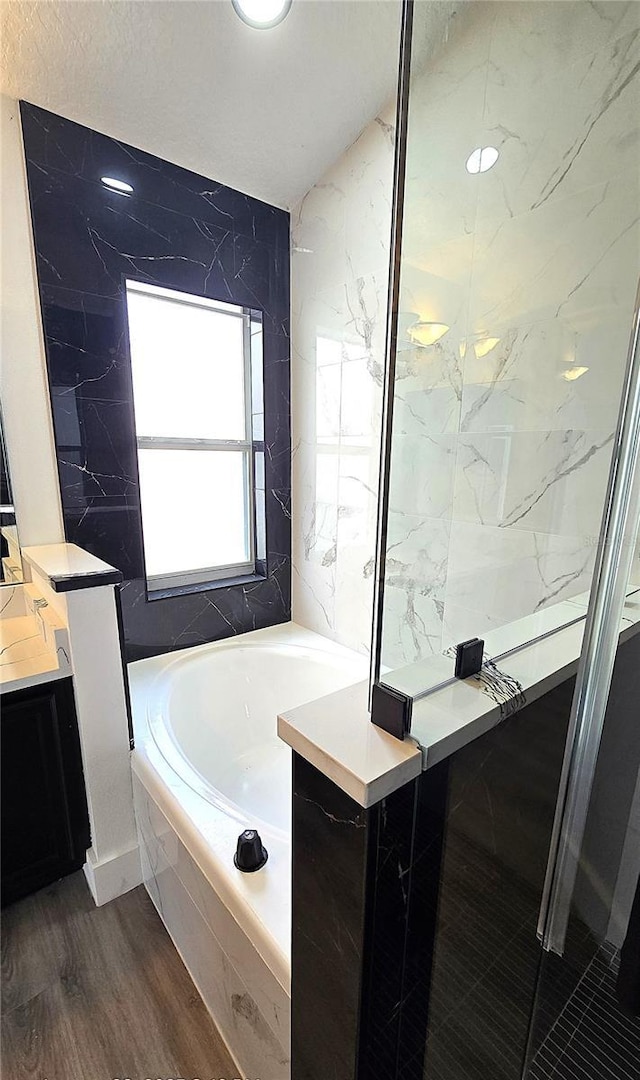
(202, 586)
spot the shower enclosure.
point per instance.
(509, 481)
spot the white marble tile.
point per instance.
(428, 389)
(577, 257)
(164, 850)
(423, 470)
(575, 127)
(545, 481)
(496, 576)
(339, 294)
(251, 1041)
(540, 254)
(520, 383)
(415, 584)
(568, 32)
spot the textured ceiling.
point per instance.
(263, 111)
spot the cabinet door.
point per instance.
(45, 825)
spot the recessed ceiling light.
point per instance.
(116, 185)
(262, 14)
(482, 159)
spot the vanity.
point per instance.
(45, 825)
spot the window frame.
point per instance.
(218, 574)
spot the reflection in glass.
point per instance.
(11, 560)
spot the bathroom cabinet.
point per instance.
(45, 824)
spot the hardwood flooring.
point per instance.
(100, 993)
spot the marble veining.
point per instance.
(184, 232)
(503, 429)
(340, 255)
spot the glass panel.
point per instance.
(517, 280)
(586, 1016)
(188, 367)
(194, 509)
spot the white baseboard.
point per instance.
(113, 876)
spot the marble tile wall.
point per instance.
(500, 457)
(184, 232)
(339, 281)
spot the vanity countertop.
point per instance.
(34, 646)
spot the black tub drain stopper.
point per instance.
(250, 854)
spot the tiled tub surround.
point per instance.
(181, 231)
(341, 234)
(34, 642)
(500, 458)
(206, 766)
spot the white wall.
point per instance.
(113, 860)
(24, 391)
(339, 282)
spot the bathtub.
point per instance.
(207, 764)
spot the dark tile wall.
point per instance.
(185, 232)
(415, 954)
(331, 834)
(365, 885)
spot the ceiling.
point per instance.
(264, 111)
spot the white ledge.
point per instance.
(68, 567)
(335, 734)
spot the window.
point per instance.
(191, 369)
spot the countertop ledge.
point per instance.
(335, 733)
(68, 568)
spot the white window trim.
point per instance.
(202, 575)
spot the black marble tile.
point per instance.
(54, 143)
(330, 841)
(109, 525)
(163, 624)
(501, 803)
(181, 231)
(278, 503)
(110, 239)
(389, 892)
(441, 900)
(360, 881)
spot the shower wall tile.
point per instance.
(576, 254)
(497, 575)
(341, 234)
(591, 99)
(504, 428)
(188, 233)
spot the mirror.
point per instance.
(10, 558)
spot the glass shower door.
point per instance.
(516, 264)
(586, 1015)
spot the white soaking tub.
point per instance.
(208, 764)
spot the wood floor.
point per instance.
(99, 993)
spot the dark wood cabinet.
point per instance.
(45, 824)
